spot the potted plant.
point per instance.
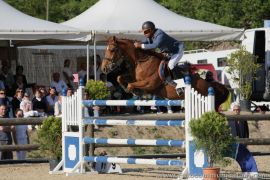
(49, 138)
(242, 67)
(212, 134)
(97, 90)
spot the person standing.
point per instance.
(243, 156)
(21, 135)
(5, 134)
(17, 99)
(7, 77)
(67, 74)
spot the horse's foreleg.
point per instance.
(123, 81)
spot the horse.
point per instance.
(145, 75)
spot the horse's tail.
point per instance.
(221, 94)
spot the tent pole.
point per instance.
(95, 56)
(87, 61)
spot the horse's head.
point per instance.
(113, 56)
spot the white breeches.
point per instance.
(176, 57)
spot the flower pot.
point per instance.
(211, 173)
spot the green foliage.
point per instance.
(97, 89)
(212, 134)
(239, 14)
(59, 10)
(50, 137)
(243, 68)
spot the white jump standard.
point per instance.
(74, 159)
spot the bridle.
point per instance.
(117, 57)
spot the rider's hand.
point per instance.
(138, 45)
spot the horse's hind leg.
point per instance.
(143, 85)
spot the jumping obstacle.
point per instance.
(74, 159)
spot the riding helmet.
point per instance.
(148, 25)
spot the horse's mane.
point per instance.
(145, 51)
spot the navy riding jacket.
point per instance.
(162, 41)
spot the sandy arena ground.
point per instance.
(145, 172)
(130, 172)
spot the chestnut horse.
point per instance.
(145, 74)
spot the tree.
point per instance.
(243, 68)
(59, 11)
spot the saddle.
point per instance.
(185, 69)
(165, 74)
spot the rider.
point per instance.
(156, 38)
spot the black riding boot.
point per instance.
(176, 71)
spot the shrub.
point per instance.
(97, 89)
(243, 68)
(50, 137)
(212, 134)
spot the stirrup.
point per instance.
(180, 91)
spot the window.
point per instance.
(221, 62)
(202, 61)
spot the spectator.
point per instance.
(243, 156)
(108, 84)
(160, 109)
(18, 84)
(21, 135)
(43, 92)
(69, 92)
(2, 85)
(88, 110)
(82, 72)
(8, 79)
(5, 134)
(39, 103)
(19, 74)
(4, 100)
(17, 99)
(242, 129)
(111, 88)
(26, 105)
(68, 77)
(51, 99)
(58, 106)
(58, 83)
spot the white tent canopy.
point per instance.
(124, 18)
(15, 25)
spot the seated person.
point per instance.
(51, 99)
(39, 103)
(58, 83)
